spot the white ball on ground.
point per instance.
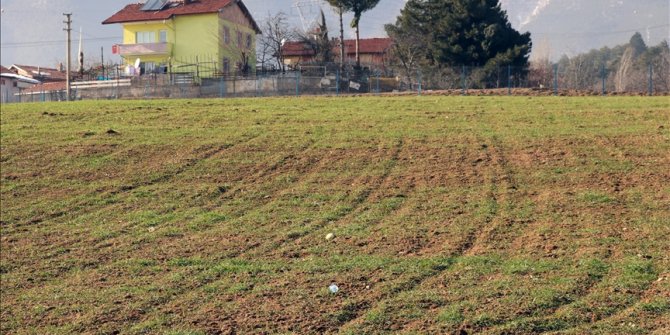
(333, 288)
(330, 236)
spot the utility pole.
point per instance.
(68, 29)
(341, 11)
(102, 61)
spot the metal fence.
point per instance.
(330, 80)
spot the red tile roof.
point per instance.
(134, 12)
(4, 70)
(41, 73)
(46, 87)
(366, 46)
(296, 49)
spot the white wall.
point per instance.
(7, 90)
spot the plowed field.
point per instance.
(450, 215)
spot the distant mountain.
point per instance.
(523, 12)
(574, 26)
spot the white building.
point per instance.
(11, 84)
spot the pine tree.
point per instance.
(638, 45)
(463, 32)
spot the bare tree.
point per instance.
(662, 69)
(276, 32)
(406, 53)
(540, 74)
(264, 52)
(659, 58)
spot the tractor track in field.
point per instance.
(591, 319)
(650, 290)
(503, 194)
(306, 172)
(502, 190)
(405, 286)
(266, 173)
(290, 159)
(585, 288)
(149, 305)
(364, 306)
(357, 205)
(471, 238)
(458, 166)
(202, 153)
(306, 166)
(450, 216)
(471, 242)
(358, 201)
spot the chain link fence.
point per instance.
(331, 80)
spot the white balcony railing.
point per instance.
(145, 49)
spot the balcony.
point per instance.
(144, 49)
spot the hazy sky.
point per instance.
(32, 29)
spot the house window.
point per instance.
(3, 82)
(226, 35)
(239, 39)
(145, 37)
(226, 65)
(16, 84)
(149, 67)
(162, 36)
(248, 41)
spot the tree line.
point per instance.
(438, 41)
(623, 68)
(431, 36)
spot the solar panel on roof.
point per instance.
(154, 5)
(149, 5)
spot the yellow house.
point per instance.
(204, 37)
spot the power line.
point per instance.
(52, 42)
(568, 34)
